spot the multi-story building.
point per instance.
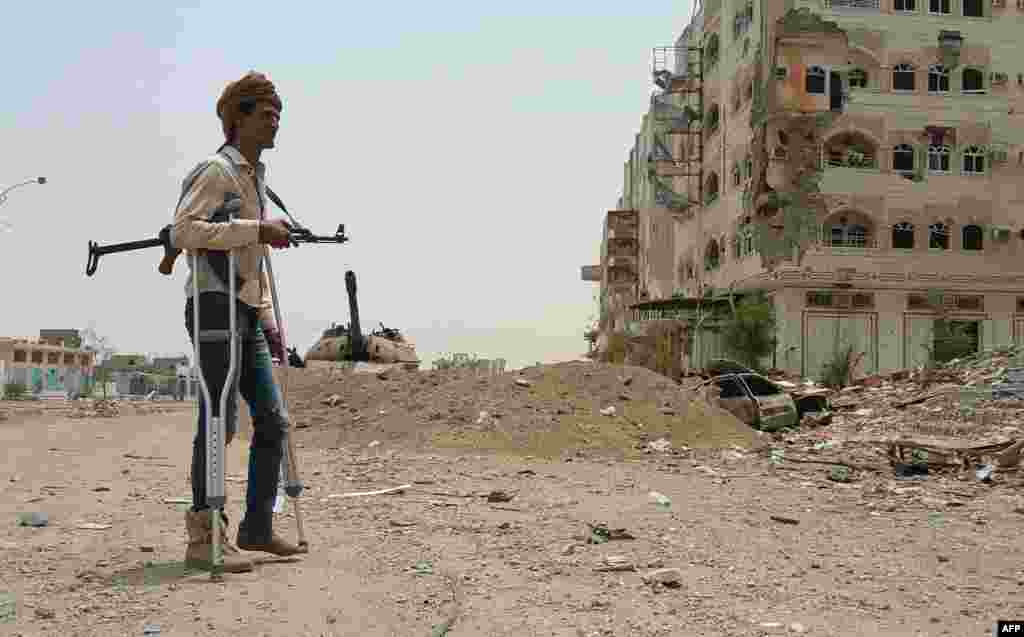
(41, 366)
(861, 161)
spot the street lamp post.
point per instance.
(3, 196)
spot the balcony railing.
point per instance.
(869, 5)
(851, 161)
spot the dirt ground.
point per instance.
(872, 556)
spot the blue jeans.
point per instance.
(254, 379)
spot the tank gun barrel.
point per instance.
(355, 334)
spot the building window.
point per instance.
(903, 236)
(69, 359)
(973, 9)
(940, 7)
(37, 357)
(972, 237)
(742, 21)
(938, 236)
(844, 233)
(712, 189)
(903, 158)
(903, 77)
(858, 78)
(711, 256)
(748, 167)
(854, 236)
(20, 356)
(938, 159)
(973, 81)
(711, 119)
(905, 5)
(938, 79)
(52, 358)
(974, 160)
(711, 51)
(815, 82)
(737, 173)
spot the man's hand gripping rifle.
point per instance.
(298, 234)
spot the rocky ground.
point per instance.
(529, 507)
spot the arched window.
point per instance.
(711, 119)
(938, 79)
(903, 158)
(858, 78)
(938, 236)
(903, 77)
(711, 257)
(973, 9)
(941, 7)
(903, 235)
(711, 51)
(711, 188)
(938, 159)
(973, 81)
(737, 173)
(844, 232)
(815, 82)
(972, 237)
(974, 160)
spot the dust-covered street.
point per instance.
(566, 541)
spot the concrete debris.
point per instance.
(102, 408)
(668, 577)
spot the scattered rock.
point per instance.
(784, 520)
(669, 577)
(661, 445)
(44, 613)
(522, 382)
(614, 563)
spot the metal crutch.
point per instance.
(289, 467)
(215, 424)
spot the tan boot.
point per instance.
(200, 547)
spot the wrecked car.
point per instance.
(753, 399)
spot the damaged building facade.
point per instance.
(860, 161)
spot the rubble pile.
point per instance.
(956, 418)
(101, 408)
(547, 411)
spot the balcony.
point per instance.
(591, 273)
(672, 168)
(853, 5)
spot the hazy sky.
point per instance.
(471, 152)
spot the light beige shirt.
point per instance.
(192, 233)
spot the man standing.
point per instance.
(222, 208)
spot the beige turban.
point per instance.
(252, 86)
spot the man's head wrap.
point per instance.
(252, 87)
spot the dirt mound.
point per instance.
(545, 411)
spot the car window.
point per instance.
(761, 387)
(730, 388)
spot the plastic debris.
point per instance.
(661, 500)
(33, 519)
